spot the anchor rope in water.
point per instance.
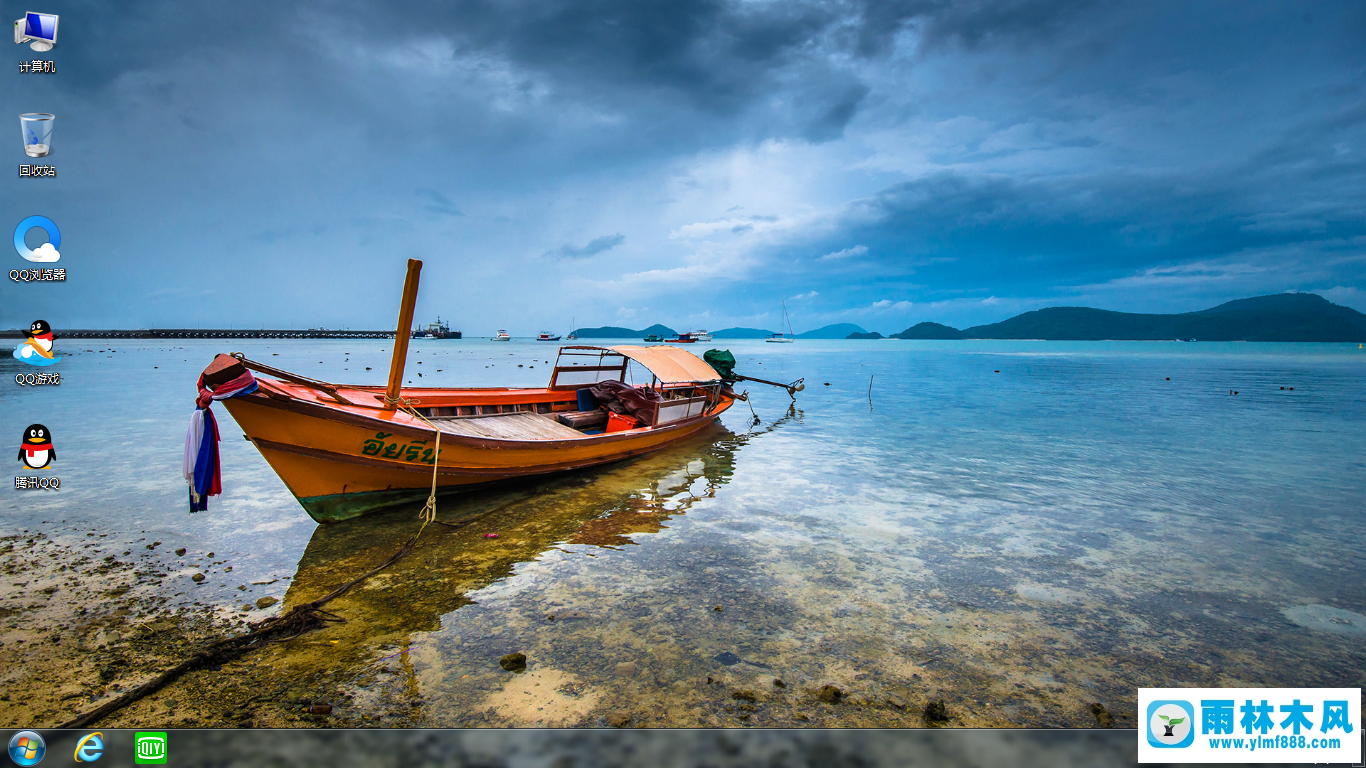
(756, 421)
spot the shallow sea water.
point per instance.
(1017, 528)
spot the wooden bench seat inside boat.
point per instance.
(508, 426)
(583, 419)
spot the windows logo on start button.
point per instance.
(26, 748)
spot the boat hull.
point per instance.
(341, 464)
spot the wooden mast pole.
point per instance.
(403, 335)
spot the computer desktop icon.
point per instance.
(40, 28)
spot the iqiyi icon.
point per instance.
(1171, 723)
(149, 748)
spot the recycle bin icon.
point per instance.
(37, 127)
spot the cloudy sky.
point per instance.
(693, 163)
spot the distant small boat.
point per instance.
(779, 338)
(654, 337)
(545, 336)
(683, 338)
(573, 335)
(700, 335)
(501, 336)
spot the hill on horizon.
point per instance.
(1279, 317)
(836, 331)
(618, 332)
(742, 333)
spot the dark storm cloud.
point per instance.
(893, 153)
(710, 57)
(1031, 234)
(972, 24)
(719, 58)
(1177, 240)
(592, 248)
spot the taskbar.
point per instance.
(494, 748)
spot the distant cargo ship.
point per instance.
(437, 330)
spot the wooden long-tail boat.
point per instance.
(344, 450)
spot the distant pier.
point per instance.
(228, 333)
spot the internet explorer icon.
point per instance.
(90, 747)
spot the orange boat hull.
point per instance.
(345, 460)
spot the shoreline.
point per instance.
(104, 623)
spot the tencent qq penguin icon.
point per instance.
(45, 252)
(1171, 723)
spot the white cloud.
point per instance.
(887, 305)
(44, 253)
(1345, 295)
(704, 229)
(703, 268)
(1200, 272)
(807, 295)
(857, 250)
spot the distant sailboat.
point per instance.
(779, 338)
(574, 330)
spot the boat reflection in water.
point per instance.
(385, 615)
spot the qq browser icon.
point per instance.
(149, 748)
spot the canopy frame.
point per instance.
(690, 386)
(670, 366)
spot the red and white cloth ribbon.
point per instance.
(199, 464)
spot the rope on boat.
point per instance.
(428, 513)
(300, 619)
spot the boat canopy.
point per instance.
(669, 365)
